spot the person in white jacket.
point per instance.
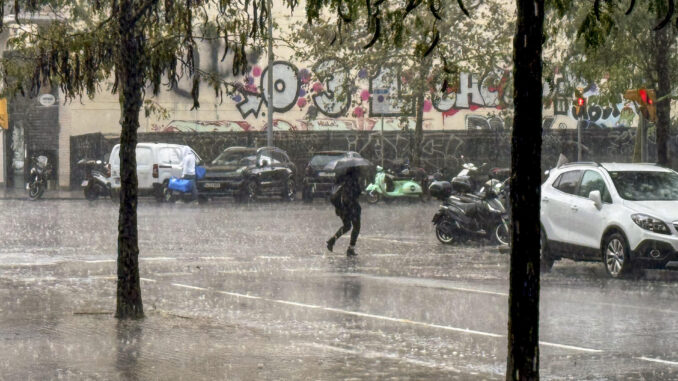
(188, 170)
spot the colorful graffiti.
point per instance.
(332, 101)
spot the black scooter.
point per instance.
(469, 216)
(97, 181)
(39, 174)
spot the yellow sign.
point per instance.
(4, 116)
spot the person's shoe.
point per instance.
(330, 244)
(350, 252)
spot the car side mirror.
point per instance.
(595, 197)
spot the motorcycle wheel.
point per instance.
(35, 191)
(373, 197)
(444, 237)
(91, 193)
(501, 235)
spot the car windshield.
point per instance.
(646, 185)
(234, 158)
(323, 160)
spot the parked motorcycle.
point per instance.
(97, 182)
(39, 174)
(388, 187)
(469, 216)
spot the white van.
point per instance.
(156, 163)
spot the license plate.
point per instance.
(212, 185)
(326, 174)
(84, 183)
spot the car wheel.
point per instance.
(290, 190)
(545, 259)
(307, 194)
(372, 197)
(444, 236)
(616, 256)
(250, 192)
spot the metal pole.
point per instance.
(642, 127)
(382, 140)
(579, 139)
(269, 130)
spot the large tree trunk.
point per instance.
(129, 305)
(523, 324)
(662, 43)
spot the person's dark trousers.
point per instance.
(194, 187)
(350, 218)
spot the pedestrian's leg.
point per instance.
(355, 231)
(345, 219)
(355, 219)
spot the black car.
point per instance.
(319, 175)
(246, 173)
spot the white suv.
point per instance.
(625, 215)
(156, 163)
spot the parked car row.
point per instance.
(243, 173)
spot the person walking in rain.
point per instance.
(188, 170)
(345, 200)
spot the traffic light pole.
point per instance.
(642, 130)
(269, 129)
(579, 138)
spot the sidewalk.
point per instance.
(21, 194)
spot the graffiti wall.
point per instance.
(325, 96)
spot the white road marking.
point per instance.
(424, 283)
(101, 261)
(148, 280)
(159, 259)
(189, 287)
(572, 347)
(657, 360)
(383, 355)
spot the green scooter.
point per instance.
(389, 187)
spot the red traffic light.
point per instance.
(643, 95)
(580, 101)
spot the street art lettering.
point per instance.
(334, 99)
(285, 86)
(332, 96)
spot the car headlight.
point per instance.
(650, 223)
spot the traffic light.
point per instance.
(579, 106)
(645, 100)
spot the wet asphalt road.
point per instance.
(249, 292)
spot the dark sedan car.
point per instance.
(318, 177)
(246, 173)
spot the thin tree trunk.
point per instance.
(418, 129)
(662, 42)
(420, 89)
(129, 305)
(523, 323)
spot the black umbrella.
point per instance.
(342, 166)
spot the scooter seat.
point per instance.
(468, 208)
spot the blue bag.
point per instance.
(181, 185)
(200, 172)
